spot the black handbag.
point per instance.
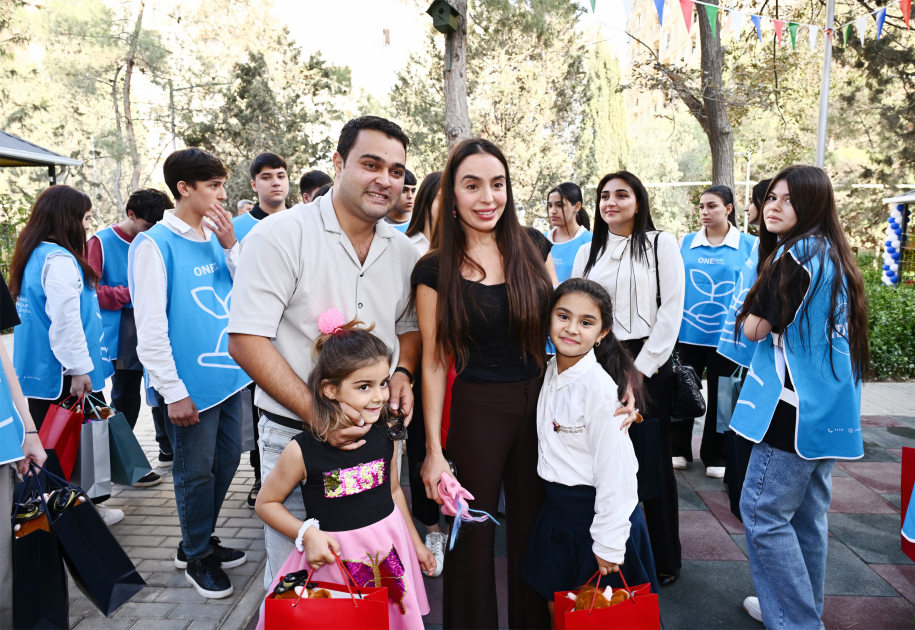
(686, 402)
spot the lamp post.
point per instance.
(824, 84)
(746, 197)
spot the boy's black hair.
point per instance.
(149, 204)
(351, 130)
(312, 180)
(266, 160)
(409, 179)
(320, 192)
(191, 166)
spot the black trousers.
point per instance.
(255, 455)
(703, 359)
(425, 510)
(492, 440)
(127, 397)
(657, 484)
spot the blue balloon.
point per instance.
(891, 275)
(890, 250)
(889, 243)
(894, 255)
(892, 220)
(886, 267)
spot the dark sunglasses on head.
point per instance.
(397, 430)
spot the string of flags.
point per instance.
(760, 23)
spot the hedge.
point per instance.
(891, 324)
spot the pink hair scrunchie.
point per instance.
(331, 322)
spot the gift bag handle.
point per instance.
(597, 586)
(346, 574)
(25, 485)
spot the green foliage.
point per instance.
(13, 215)
(891, 323)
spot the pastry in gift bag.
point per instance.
(636, 610)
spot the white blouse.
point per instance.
(633, 287)
(421, 242)
(580, 444)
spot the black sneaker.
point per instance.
(151, 479)
(165, 459)
(208, 578)
(228, 558)
(252, 496)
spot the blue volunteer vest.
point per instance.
(564, 254)
(829, 407)
(199, 295)
(711, 276)
(40, 373)
(114, 274)
(400, 227)
(741, 351)
(243, 225)
(908, 525)
(12, 431)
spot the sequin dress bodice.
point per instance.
(347, 490)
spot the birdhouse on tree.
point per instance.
(444, 17)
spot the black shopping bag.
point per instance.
(40, 598)
(97, 562)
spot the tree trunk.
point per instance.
(457, 117)
(128, 118)
(117, 158)
(714, 114)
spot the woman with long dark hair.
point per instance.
(571, 226)
(713, 258)
(642, 270)
(481, 296)
(754, 207)
(801, 403)
(425, 213)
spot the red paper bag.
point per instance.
(639, 612)
(908, 482)
(60, 431)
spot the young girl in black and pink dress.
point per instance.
(355, 506)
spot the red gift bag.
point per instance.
(446, 409)
(60, 431)
(364, 609)
(639, 612)
(908, 482)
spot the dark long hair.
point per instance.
(727, 198)
(57, 216)
(643, 222)
(571, 192)
(814, 203)
(758, 196)
(422, 210)
(526, 280)
(611, 354)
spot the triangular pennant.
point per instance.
(757, 22)
(861, 27)
(812, 36)
(738, 19)
(845, 30)
(687, 7)
(881, 18)
(792, 29)
(659, 5)
(778, 24)
(627, 7)
(830, 32)
(593, 2)
(712, 13)
(906, 6)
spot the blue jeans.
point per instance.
(784, 504)
(206, 458)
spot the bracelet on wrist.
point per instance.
(35, 432)
(312, 522)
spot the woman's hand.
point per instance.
(426, 559)
(33, 451)
(318, 547)
(632, 414)
(80, 385)
(606, 568)
(434, 465)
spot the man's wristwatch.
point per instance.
(405, 371)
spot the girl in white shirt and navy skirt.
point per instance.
(591, 519)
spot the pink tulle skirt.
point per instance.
(370, 545)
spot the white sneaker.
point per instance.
(680, 463)
(751, 606)
(715, 471)
(111, 516)
(435, 542)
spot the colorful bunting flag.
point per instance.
(687, 7)
(757, 22)
(593, 3)
(738, 19)
(861, 27)
(845, 30)
(792, 29)
(881, 18)
(906, 6)
(778, 24)
(812, 36)
(712, 13)
(659, 5)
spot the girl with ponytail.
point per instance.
(590, 519)
(570, 229)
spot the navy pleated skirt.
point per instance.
(559, 555)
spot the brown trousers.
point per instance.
(492, 441)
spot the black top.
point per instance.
(768, 305)
(8, 315)
(348, 490)
(257, 213)
(495, 354)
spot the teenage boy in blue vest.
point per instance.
(180, 274)
(107, 255)
(270, 180)
(399, 216)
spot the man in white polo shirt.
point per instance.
(335, 252)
